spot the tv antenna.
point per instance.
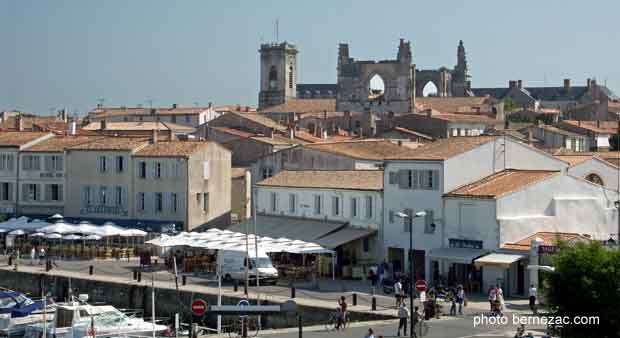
(276, 30)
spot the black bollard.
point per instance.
(293, 292)
(300, 326)
(184, 280)
(235, 285)
(139, 276)
(90, 270)
(245, 289)
(10, 260)
(135, 274)
(374, 303)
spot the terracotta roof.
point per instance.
(599, 127)
(556, 130)
(260, 119)
(233, 131)
(121, 111)
(36, 123)
(238, 172)
(501, 183)
(112, 143)
(171, 149)
(549, 238)
(442, 149)
(275, 140)
(376, 150)
(60, 143)
(19, 138)
(302, 106)
(455, 104)
(409, 132)
(121, 126)
(574, 159)
(239, 108)
(327, 179)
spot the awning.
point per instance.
(295, 228)
(343, 236)
(502, 259)
(457, 255)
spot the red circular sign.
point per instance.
(420, 285)
(199, 307)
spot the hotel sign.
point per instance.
(464, 243)
(104, 209)
(547, 249)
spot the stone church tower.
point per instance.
(461, 86)
(278, 74)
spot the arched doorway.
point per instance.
(430, 89)
(376, 88)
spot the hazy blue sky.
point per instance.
(69, 53)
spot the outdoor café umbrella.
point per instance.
(53, 236)
(60, 228)
(37, 234)
(17, 232)
(92, 237)
(56, 216)
(72, 237)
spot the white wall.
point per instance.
(471, 219)
(602, 140)
(606, 171)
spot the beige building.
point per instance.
(241, 196)
(187, 116)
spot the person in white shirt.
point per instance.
(33, 255)
(403, 314)
(500, 297)
(398, 291)
(533, 294)
(370, 334)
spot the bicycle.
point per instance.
(333, 320)
(235, 327)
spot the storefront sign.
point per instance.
(465, 243)
(51, 175)
(547, 249)
(104, 209)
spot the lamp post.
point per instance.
(404, 216)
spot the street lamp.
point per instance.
(405, 216)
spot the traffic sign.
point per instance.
(199, 307)
(420, 285)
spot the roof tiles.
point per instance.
(501, 183)
(327, 179)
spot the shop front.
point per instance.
(454, 266)
(507, 270)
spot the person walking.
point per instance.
(533, 294)
(381, 272)
(342, 306)
(398, 291)
(452, 299)
(33, 255)
(370, 333)
(41, 255)
(460, 298)
(500, 298)
(492, 298)
(403, 314)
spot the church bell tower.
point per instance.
(278, 74)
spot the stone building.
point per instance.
(278, 73)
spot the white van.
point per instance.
(233, 266)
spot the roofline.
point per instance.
(305, 187)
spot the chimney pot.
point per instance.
(19, 123)
(174, 106)
(566, 84)
(103, 125)
(520, 84)
(154, 135)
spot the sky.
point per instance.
(71, 53)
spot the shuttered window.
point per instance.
(335, 206)
(292, 204)
(418, 179)
(353, 207)
(318, 208)
(369, 206)
(274, 201)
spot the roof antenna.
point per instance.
(277, 28)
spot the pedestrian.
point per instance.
(403, 314)
(381, 271)
(41, 255)
(460, 298)
(415, 318)
(452, 299)
(398, 290)
(342, 307)
(500, 297)
(533, 294)
(369, 334)
(33, 255)
(492, 297)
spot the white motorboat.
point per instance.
(80, 320)
(18, 311)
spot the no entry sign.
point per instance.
(199, 307)
(420, 285)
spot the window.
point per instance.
(159, 202)
(594, 178)
(391, 216)
(418, 179)
(267, 172)
(175, 168)
(31, 162)
(335, 206)
(283, 159)
(205, 202)
(157, 170)
(408, 221)
(6, 192)
(198, 198)
(118, 196)
(120, 164)
(368, 206)
(103, 192)
(273, 78)
(53, 192)
(205, 170)
(173, 203)
(88, 196)
(366, 244)
(31, 192)
(188, 119)
(103, 165)
(317, 205)
(273, 200)
(142, 170)
(52, 163)
(429, 222)
(292, 205)
(173, 119)
(392, 178)
(353, 207)
(6, 162)
(141, 202)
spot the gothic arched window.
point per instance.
(594, 178)
(273, 77)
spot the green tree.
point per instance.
(586, 282)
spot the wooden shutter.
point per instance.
(391, 216)
(10, 162)
(60, 164)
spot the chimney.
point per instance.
(520, 84)
(63, 115)
(291, 132)
(72, 128)
(512, 84)
(174, 106)
(566, 84)
(588, 83)
(19, 123)
(598, 123)
(103, 125)
(154, 135)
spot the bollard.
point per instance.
(10, 260)
(235, 285)
(293, 292)
(374, 303)
(300, 326)
(244, 327)
(245, 289)
(90, 270)
(354, 298)
(135, 274)
(184, 280)
(139, 276)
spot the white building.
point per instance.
(592, 168)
